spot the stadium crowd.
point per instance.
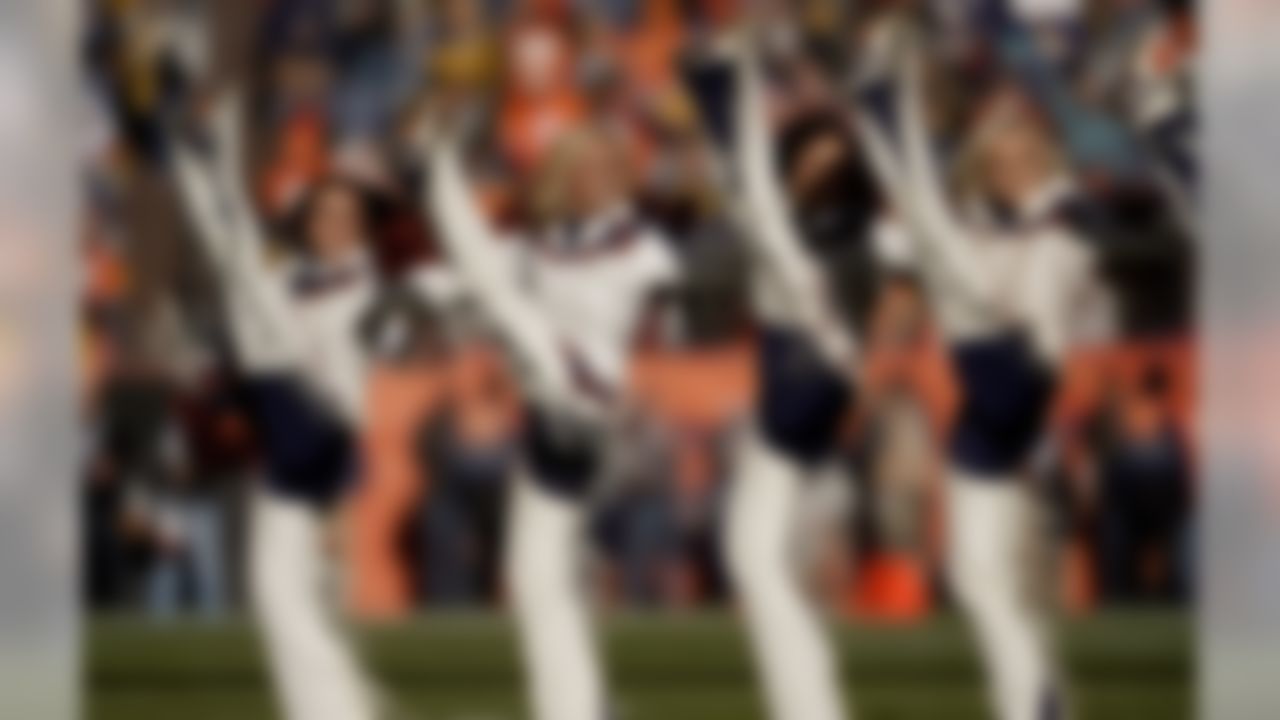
(338, 88)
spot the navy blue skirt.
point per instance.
(310, 454)
(802, 400)
(1007, 393)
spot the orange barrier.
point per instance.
(697, 390)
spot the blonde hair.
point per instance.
(1006, 110)
(551, 201)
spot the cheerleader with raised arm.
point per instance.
(298, 321)
(1014, 289)
(566, 298)
(808, 363)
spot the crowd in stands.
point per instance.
(339, 87)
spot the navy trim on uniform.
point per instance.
(1006, 396)
(310, 454)
(312, 282)
(802, 401)
(614, 240)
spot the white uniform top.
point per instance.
(594, 296)
(1032, 275)
(1043, 280)
(565, 304)
(289, 318)
(788, 287)
(333, 361)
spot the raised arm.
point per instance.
(767, 222)
(486, 273)
(257, 299)
(248, 242)
(199, 195)
(874, 105)
(946, 249)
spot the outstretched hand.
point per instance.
(450, 119)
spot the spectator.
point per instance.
(469, 449)
(637, 523)
(1145, 498)
(342, 87)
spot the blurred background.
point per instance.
(337, 88)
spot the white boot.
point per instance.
(999, 570)
(561, 659)
(791, 647)
(314, 669)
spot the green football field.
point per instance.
(1135, 666)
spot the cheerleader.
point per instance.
(566, 300)
(1014, 288)
(294, 323)
(808, 360)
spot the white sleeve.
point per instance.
(1070, 305)
(250, 268)
(879, 74)
(769, 228)
(199, 196)
(256, 295)
(486, 272)
(945, 250)
(1095, 308)
(659, 267)
(657, 274)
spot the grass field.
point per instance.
(1135, 666)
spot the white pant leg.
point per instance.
(792, 652)
(562, 663)
(315, 671)
(1001, 574)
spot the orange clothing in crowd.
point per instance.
(390, 486)
(649, 53)
(529, 125)
(107, 278)
(298, 160)
(401, 401)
